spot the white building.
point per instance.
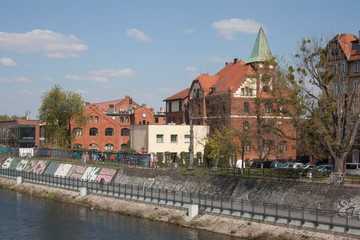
(159, 139)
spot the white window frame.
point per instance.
(356, 66)
(187, 139)
(173, 138)
(159, 138)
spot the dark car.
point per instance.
(255, 165)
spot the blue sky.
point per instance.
(149, 50)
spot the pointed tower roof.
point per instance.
(261, 50)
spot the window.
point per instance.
(111, 108)
(93, 145)
(356, 66)
(77, 145)
(127, 119)
(170, 107)
(113, 118)
(93, 132)
(344, 86)
(336, 89)
(268, 108)
(336, 66)
(246, 126)
(123, 147)
(156, 120)
(282, 146)
(187, 139)
(109, 147)
(144, 122)
(121, 119)
(173, 138)
(77, 131)
(246, 107)
(242, 92)
(109, 132)
(159, 138)
(247, 146)
(180, 105)
(199, 106)
(96, 119)
(344, 67)
(356, 85)
(125, 132)
(91, 119)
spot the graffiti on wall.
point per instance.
(26, 152)
(39, 167)
(22, 165)
(350, 207)
(51, 169)
(14, 163)
(63, 170)
(107, 174)
(7, 163)
(6, 150)
(135, 159)
(76, 172)
(91, 174)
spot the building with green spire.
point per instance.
(261, 51)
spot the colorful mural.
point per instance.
(22, 165)
(63, 170)
(107, 174)
(7, 163)
(91, 173)
(51, 169)
(76, 172)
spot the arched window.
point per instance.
(121, 119)
(109, 147)
(77, 145)
(246, 107)
(125, 132)
(93, 145)
(282, 146)
(93, 132)
(109, 132)
(77, 132)
(246, 126)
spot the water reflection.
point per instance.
(27, 217)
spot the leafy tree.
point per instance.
(222, 146)
(5, 117)
(60, 108)
(330, 117)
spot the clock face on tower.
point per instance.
(144, 115)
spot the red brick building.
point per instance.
(19, 133)
(109, 123)
(229, 98)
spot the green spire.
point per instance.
(261, 50)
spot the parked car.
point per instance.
(276, 165)
(309, 166)
(353, 169)
(255, 165)
(326, 169)
(294, 165)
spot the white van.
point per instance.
(353, 169)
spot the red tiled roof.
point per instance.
(120, 103)
(231, 77)
(206, 82)
(180, 95)
(344, 41)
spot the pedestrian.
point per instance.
(112, 159)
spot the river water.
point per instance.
(28, 217)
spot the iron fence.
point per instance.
(280, 213)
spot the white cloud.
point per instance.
(228, 28)
(191, 69)
(48, 79)
(103, 75)
(8, 62)
(188, 30)
(82, 92)
(215, 59)
(17, 79)
(138, 35)
(51, 44)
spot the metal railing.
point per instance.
(278, 213)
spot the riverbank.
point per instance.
(210, 222)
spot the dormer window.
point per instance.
(111, 108)
(213, 90)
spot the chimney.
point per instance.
(226, 63)
(87, 103)
(27, 115)
(235, 60)
(143, 105)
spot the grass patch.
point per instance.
(50, 195)
(176, 220)
(152, 217)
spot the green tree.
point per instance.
(331, 115)
(58, 110)
(5, 117)
(222, 146)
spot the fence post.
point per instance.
(174, 197)
(276, 211)
(151, 189)
(347, 221)
(159, 195)
(289, 213)
(253, 208)
(317, 217)
(302, 215)
(190, 197)
(222, 200)
(231, 206)
(131, 191)
(331, 219)
(138, 192)
(125, 191)
(166, 194)
(182, 198)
